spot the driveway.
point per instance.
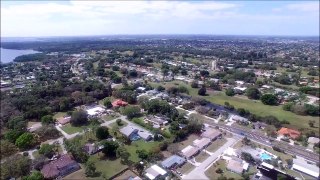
(199, 171)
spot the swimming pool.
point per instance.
(265, 156)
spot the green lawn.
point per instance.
(107, 167)
(115, 125)
(255, 107)
(216, 144)
(186, 168)
(211, 172)
(59, 114)
(140, 144)
(109, 117)
(69, 129)
(201, 156)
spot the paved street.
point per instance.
(199, 171)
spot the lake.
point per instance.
(8, 55)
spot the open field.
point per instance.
(115, 125)
(254, 106)
(140, 144)
(201, 157)
(105, 168)
(216, 144)
(69, 129)
(109, 117)
(186, 168)
(188, 141)
(59, 115)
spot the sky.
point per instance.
(82, 18)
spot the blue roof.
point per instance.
(174, 159)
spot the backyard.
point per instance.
(140, 144)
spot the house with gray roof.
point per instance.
(173, 161)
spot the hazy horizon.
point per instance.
(102, 18)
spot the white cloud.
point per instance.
(113, 17)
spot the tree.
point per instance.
(281, 176)
(47, 119)
(7, 148)
(160, 88)
(79, 118)
(35, 175)
(12, 135)
(107, 103)
(142, 154)
(131, 111)
(247, 157)
(253, 93)
(90, 168)
(15, 166)
(110, 148)
(311, 123)
(219, 171)
(194, 84)
(75, 147)
(26, 140)
(269, 99)
(119, 122)
(102, 132)
(230, 92)
(47, 132)
(202, 91)
(47, 150)
(123, 154)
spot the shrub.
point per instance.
(269, 99)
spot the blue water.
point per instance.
(265, 156)
(8, 55)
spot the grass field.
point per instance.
(115, 125)
(201, 157)
(109, 117)
(105, 168)
(216, 144)
(69, 129)
(211, 172)
(186, 168)
(140, 144)
(59, 115)
(255, 107)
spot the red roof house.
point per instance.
(118, 103)
(289, 132)
(60, 167)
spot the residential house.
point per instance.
(212, 134)
(92, 148)
(154, 172)
(202, 143)
(134, 133)
(293, 134)
(157, 121)
(313, 140)
(237, 165)
(60, 167)
(173, 161)
(118, 103)
(64, 120)
(190, 151)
